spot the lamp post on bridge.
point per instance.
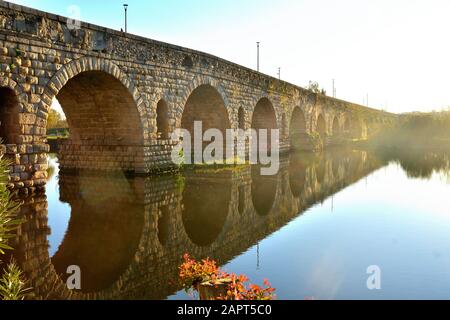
(334, 89)
(257, 55)
(125, 6)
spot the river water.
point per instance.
(313, 230)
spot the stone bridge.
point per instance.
(124, 95)
(167, 217)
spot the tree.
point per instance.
(315, 87)
(53, 118)
(56, 120)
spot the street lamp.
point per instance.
(125, 6)
(257, 57)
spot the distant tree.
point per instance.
(56, 120)
(315, 87)
(53, 118)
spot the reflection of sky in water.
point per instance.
(58, 213)
(386, 219)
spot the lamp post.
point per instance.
(334, 89)
(125, 6)
(257, 57)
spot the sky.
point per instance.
(395, 52)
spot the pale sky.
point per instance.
(397, 51)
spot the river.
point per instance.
(313, 230)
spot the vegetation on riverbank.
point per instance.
(12, 283)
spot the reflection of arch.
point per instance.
(264, 191)
(320, 171)
(96, 233)
(162, 120)
(297, 176)
(202, 224)
(298, 129)
(335, 165)
(321, 126)
(241, 203)
(9, 115)
(205, 104)
(163, 225)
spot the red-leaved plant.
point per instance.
(194, 274)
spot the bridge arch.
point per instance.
(97, 66)
(205, 104)
(264, 117)
(336, 128)
(297, 128)
(9, 112)
(10, 105)
(196, 83)
(321, 126)
(105, 112)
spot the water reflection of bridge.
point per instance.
(128, 236)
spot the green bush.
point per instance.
(8, 208)
(12, 284)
